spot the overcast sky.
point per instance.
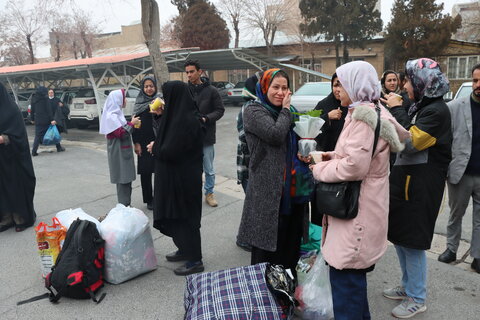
(112, 14)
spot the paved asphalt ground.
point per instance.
(79, 178)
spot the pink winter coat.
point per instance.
(359, 243)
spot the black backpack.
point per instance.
(78, 271)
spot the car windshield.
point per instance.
(464, 91)
(85, 93)
(240, 85)
(314, 89)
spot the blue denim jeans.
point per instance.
(208, 156)
(349, 294)
(413, 263)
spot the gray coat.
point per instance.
(267, 142)
(461, 113)
(120, 158)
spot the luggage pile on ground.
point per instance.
(78, 253)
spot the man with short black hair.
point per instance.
(464, 171)
(211, 110)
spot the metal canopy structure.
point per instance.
(128, 68)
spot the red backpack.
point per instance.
(78, 271)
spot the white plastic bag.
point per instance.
(317, 292)
(67, 217)
(307, 128)
(129, 250)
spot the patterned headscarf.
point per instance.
(427, 80)
(265, 82)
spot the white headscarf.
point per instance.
(360, 81)
(112, 115)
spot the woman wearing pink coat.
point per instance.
(352, 247)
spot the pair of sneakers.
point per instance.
(408, 308)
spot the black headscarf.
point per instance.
(11, 122)
(329, 102)
(143, 100)
(327, 140)
(180, 128)
(17, 178)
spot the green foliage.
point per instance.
(418, 29)
(202, 26)
(184, 5)
(351, 22)
(311, 113)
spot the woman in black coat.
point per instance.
(334, 115)
(17, 178)
(178, 152)
(144, 135)
(417, 180)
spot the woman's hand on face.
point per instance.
(138, 149)
(335, 114)
(287, 99)
(306, 159)
(135, 120)
(392, 100)
(150, 146)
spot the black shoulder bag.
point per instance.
(340, 199)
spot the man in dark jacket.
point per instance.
(42, 116)
(211, 109)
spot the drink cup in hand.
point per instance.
(316, 156)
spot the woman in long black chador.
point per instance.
(17, 178)
(178, 151)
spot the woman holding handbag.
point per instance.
(352, 247)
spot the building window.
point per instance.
(471, 62)
(461, 67)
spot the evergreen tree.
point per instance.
(202, 26)
(417, 29)
(346, 22)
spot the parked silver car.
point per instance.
(308, 95)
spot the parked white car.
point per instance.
(464, 90)
(235, 94)
(83, 109)
(308, 95)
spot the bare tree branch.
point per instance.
(268, 16)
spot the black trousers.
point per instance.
(147, 189)
(290, 230)
(185, 234)
(40, 131)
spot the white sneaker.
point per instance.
(397, 293)
(408, 308)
